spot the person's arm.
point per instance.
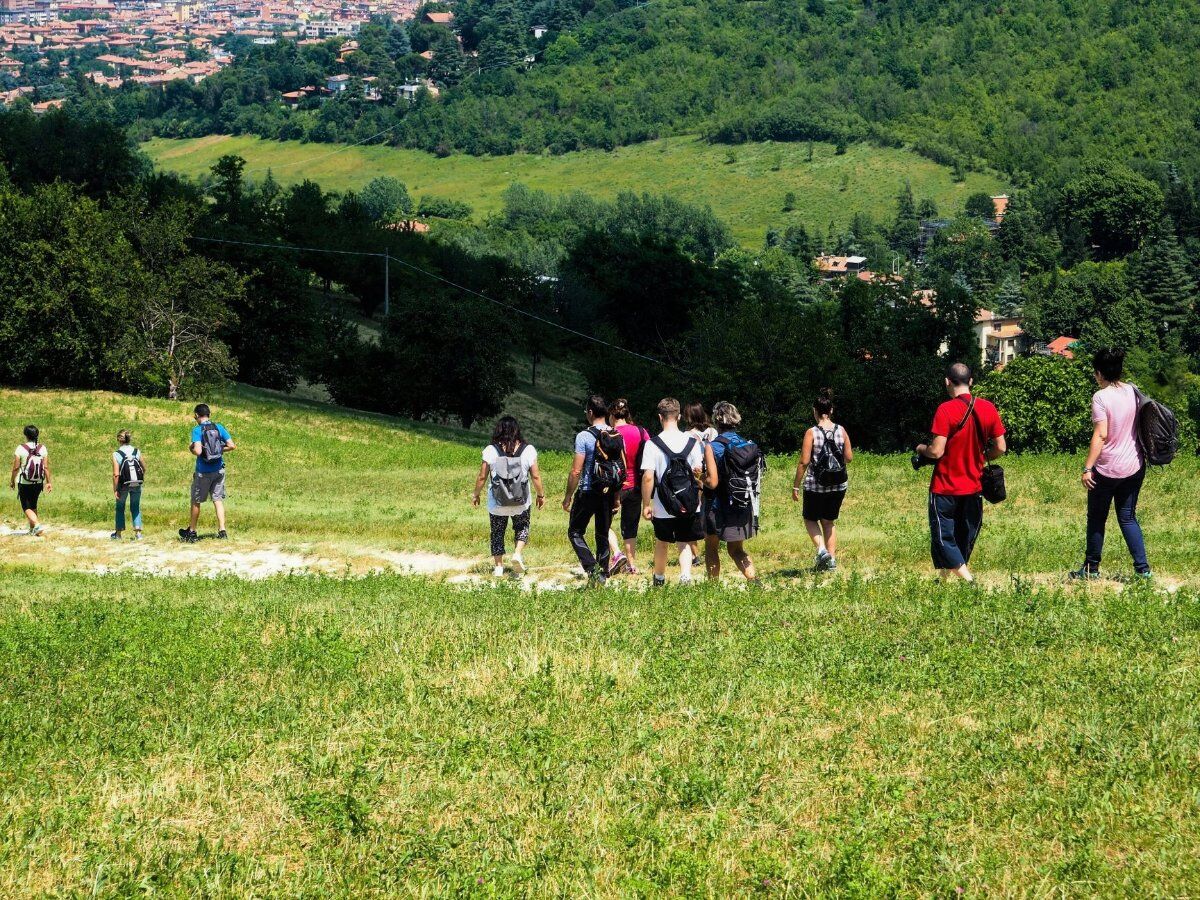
(49, 477)
(1099, 436)
(116, 478)
(998, 448)
(12, 479)
(535, 475)
(802, 464)
(229, 444)
(648, 494)
(848, 452)
(480, 481)
(573, 479)
(935, 449)
(197, 448)
(711, 477)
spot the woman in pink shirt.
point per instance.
(631, 496)
(1115, 465)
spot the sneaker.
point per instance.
(821, 563)
(1084, 574)
(597, 579)
(619, 562)
(137, 536)
(685, 580)
(659, 581)
(37, 530)
(518, 565)
(222, 535)
(187, 536)
(115, 536)
(832, 564)
(498, 572)
(630, 567)
(1144, 576)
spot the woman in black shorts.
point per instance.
(822, 502)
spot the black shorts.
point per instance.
(822, 507)
(730, 526)
(631, 513)
(679, 530)
(28, 495)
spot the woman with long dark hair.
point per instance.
(509, 467)
(821, 476)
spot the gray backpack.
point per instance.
(510, 480)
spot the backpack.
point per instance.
(677, 489)
(34, 470)
(212, 447)
(1157, 430)
(510, 480)
(132, 472)
(743, 464)
(608, 462)
(829, 468)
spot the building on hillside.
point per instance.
(999, 207)
(832, 267)
(1062, 346)
(337, 83)
(439, 18)
(539, 31)
(1001, 338)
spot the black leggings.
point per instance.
(595, 508)
(631, 513)
(520, 526)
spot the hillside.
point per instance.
(747, 193)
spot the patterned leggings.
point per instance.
(520, 524)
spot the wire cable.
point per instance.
(446, 281)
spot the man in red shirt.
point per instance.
(966, 429)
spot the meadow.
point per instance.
(869, 734)
(747, 194)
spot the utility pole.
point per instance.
(387, 294)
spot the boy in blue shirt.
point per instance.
(210, 442)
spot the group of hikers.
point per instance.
(209, 442)
(700, 481)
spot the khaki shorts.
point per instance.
(208, 485)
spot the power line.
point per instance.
(446, 281)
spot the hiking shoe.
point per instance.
(115, 536)
(222, 535)
(1084, 574)
(518, 565)
(821, 563)
(188, 536)
(498, 572)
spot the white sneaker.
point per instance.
(685, 580)
(498, 572)
(37, 531)
(518, 565)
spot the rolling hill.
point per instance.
(745, 185)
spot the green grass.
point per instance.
(312, 474)
(867, 735)
(747, 194)
(389, 736)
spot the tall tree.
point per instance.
(1161, 273)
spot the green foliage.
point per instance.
(386, 199)
(1092, 301)
(1044, 401)
(980, 206)
(1163, 275)
(443, 208)
(1115, 206)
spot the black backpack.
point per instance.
(829, 468)
(1157, 430)
(743, 466)
(677, 490)
(212, 447)
(132, 472)
(608, 463)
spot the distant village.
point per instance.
(156, 43)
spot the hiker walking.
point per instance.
(822, 476)
(967, 434)
(696, 422)
(593, 488)
(30, 476)
(210, 441)
(1115, 467)
(731, 510)
(671, 465)
(509, 465)
(128, 474)
(630, 498)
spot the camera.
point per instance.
(920, 460)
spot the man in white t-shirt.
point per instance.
(686, 528)
(30, 475)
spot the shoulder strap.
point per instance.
(983, 443)
(671, 454)
(722, 440)
(966, 415)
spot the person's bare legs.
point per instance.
(961, 572)
(195, 516)
(741, 559)
(518, 551)
(712, 556)
(815, 533)
(631, 550)
(219, 506)
(829, 530)
(660, 558)
(32, 517)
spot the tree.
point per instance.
(386, 199)
(906, 227)
(980, 206)
(1115, 206)
(1161, 273)
(1009, 298)
(789, 201)
(1045, 402)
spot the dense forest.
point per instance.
(141, 281)
(1022, 86)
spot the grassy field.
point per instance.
(871, 734)
(747, 194)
